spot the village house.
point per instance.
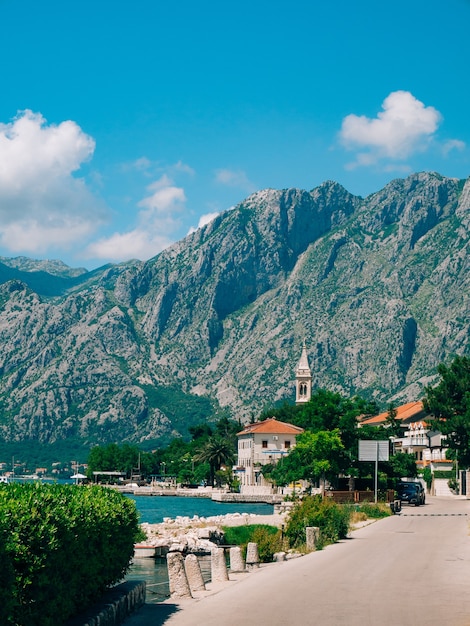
(259, 444)
(417, 437)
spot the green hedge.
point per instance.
(61, 547)
(448, 474)
(332, 520)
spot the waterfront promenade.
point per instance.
(409, 569)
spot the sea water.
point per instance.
(153, 509)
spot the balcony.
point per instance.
(415, 442)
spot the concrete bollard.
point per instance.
(237, 564)
(252, 556)
(193, 573)
(313, 534)
(179, 586)
(278, 557)
(219, 572)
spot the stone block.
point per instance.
(237, 563)
(218, 566)
(179, 586)
(193, 573)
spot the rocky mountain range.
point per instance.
(378, 287)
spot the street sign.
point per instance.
(370, 450)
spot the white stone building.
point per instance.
(262, 443)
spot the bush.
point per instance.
(269, 542)
(449, 474)
(7, 575)
(332, 520)
(67, 544)
(374, 511)
(268, 538)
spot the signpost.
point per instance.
(370, 450)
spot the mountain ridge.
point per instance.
(377, 286)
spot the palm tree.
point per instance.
(217, 451)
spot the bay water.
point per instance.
(153, 509)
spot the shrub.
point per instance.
(269, 542)
(332, 520)
(67, 544)
(449, 474)
(268, 538)
(374, 511)
(7, 575)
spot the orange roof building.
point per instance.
(262, 443)
(427, 446)
(271, 426)
(411, 412)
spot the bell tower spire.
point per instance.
(303, 378)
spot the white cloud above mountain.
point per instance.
(234, 178)
(157, 221)
(403, 127)
(43, 203)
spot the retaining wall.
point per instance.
(114, 607)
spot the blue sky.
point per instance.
(124, 125)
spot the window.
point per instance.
(286, 445)
(264, 443)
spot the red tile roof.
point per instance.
(405, 413)
(271, 426)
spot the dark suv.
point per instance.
(411, 493)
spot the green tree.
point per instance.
(125, 458)
(316, 456)
(449, 403)
(285, 413)
(400, 465)
(217, 451)
(393, 425)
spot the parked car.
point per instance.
(411, 493)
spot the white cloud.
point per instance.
(234, 178)
(42, 204)
(206, 218)
(181, 167)
(142, 164)
(453, 144)
(203, 220)
(151, 168)
(403, 127)
(156, 224)
(135, 244)
(164, 197)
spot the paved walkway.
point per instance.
(406, 570)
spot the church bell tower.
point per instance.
(303, 379)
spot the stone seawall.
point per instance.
(115, 606)
(220, 496)
(214, 494)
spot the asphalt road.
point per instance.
(409, 569)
